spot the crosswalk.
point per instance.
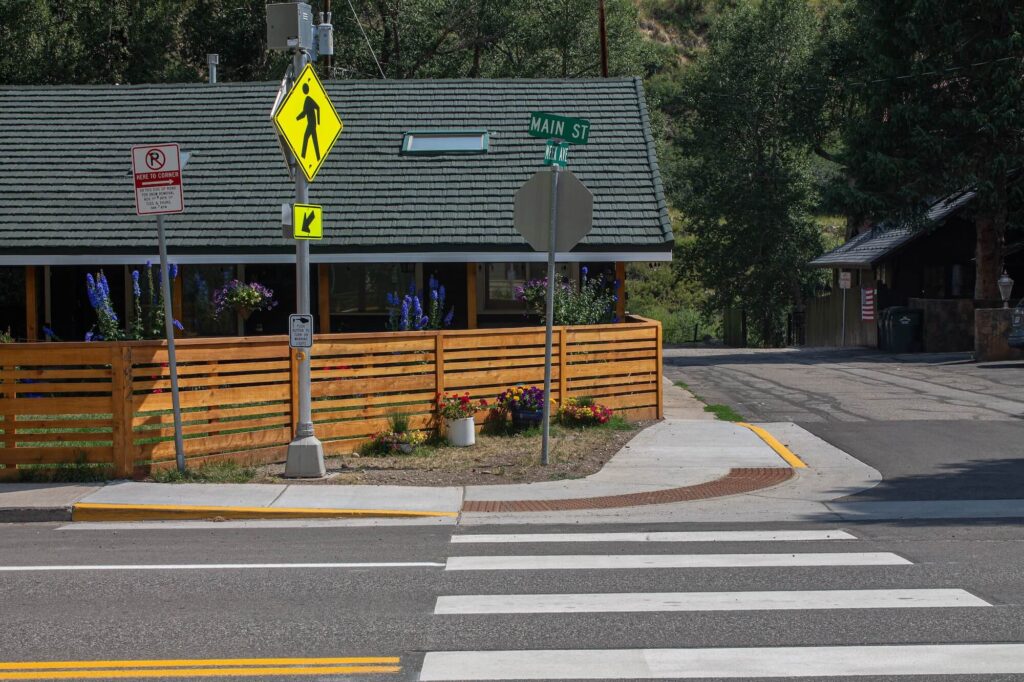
(760, 561)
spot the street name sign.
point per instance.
(575, 212)
(308, 122)
(300, 331)
(157, 171)
(307, 221)
(555, 127)
(556, 153)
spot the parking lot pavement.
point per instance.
(828, 385)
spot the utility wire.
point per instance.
(360, 25)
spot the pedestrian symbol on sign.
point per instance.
(310, 112)
(308, 123)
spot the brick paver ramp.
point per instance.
(743, 480)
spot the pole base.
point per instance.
(305, 459)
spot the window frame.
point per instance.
(410, 135)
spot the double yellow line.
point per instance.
(201, 667)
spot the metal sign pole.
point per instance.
(172, 362)
(305, 452)
(552, 234)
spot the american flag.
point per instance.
(867, 305)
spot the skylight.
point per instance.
(445, 141)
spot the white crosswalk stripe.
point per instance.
(632, 602)
(835, 661)
(683, 536)
(622, 561)
(726, 663)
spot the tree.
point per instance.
(939, 112)
(753, 108)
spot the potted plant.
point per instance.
(398, 437)
(457, 412)
(243, 298)
(525, 404)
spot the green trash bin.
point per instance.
(905, 325)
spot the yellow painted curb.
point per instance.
(88, 511)
(780, 449)
(177, 668)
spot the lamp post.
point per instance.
(1005, 284)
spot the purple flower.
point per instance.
(448, 317)
(584, 271)
(404, 325)
(179, 326)
(441, 291)
(174, 270)
(88, 336)
(135, 283)
(417, 311)
(433, 295)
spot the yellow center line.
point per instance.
(269, 671)
(780, 449)
(179, 662)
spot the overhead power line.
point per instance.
(360, 25)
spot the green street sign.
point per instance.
(556, 153)
(552, 126)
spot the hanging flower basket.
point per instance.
(243, 298)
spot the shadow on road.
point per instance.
(979, 479)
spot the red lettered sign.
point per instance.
(157, 170)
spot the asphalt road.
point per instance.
(123, 612)
(935, 426)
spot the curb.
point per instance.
(173, 512)
(34, 514)
(772, 442)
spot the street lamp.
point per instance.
(1005, 284)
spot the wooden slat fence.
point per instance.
(109, 404)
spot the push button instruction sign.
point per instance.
(157, 170)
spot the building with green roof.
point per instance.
(398, 209)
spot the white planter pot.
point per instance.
(461, 432)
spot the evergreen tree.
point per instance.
(939, 112)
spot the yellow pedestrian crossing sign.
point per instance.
(308, 122)
(307, 221)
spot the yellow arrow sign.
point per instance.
(308, 122)
(307, 221)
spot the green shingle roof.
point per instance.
(66, 186)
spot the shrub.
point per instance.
(591, 303)
(574, 412)
(390, 443)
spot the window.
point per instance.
(503, 278)
(445, 141)
(358, 288)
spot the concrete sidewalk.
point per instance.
(674, 454)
